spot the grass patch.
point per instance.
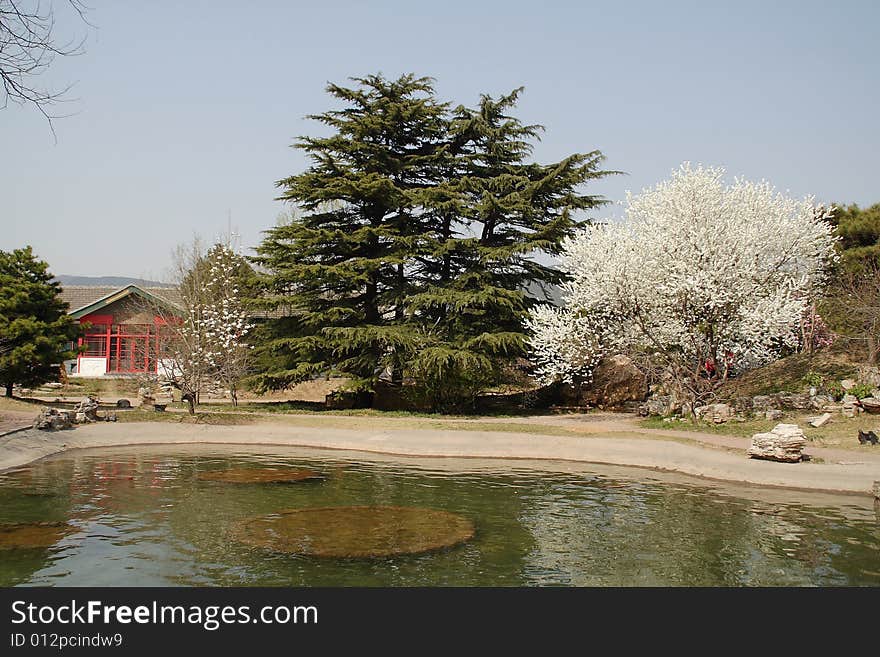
(7, 404)
(840, 432)
(787, 374)
(317, 409)
(736, 429)
(369, 420)
(138, 415)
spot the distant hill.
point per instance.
(106, 281)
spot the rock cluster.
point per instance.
(717, 413)
(851, 406)
(51, 419)
(616, 381)
(771, 406)
(86, 410)
(658, 405)
(785, 442)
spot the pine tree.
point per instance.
(35, 330)
(340, 267)
(416, 247)
(499, 215)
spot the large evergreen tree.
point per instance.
(340, 269)
(35, 330)
(499, 213)
(417, 248)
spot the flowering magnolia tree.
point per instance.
(205, 339)
(226, 321)
(701, 276)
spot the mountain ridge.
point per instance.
(106, 281)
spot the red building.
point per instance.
(123, 328)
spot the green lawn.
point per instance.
(840, 432)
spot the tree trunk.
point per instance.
(401, 283)
(190, 399)
(9, 389)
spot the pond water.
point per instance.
(149, 516)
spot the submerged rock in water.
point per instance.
(260, 475)
(356, 532)
(32, 535)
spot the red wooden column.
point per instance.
(109, 328)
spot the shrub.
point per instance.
(861, 390)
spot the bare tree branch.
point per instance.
(28, 46)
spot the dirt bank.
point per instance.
(853, 476)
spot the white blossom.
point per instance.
(698, 270)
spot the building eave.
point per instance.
(119, 294)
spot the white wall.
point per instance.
(166, 367)
(92, 366)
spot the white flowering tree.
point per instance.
(226, 320)
(702, 276)
(204, 339)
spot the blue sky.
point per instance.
(186, 111)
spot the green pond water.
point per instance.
(142, 516)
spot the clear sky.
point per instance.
(186, 110)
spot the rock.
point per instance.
(51, 419)
(762, 403)
(87, 410)
(820, 421)
(785, 442)
(851, 406)
(869, 374)
(793, 400)
(821, 402)
(145, 396)
(773, 414)
(847, 384)
(123, 403)
(658, 405)
(717, 413)
(616, 380)
(110, 417)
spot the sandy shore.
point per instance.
(853, 476)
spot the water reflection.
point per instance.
(137, 517)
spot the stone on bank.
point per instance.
(785, 443)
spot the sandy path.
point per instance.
(855, 477)
(12, 420)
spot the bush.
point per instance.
(814, 379)
(861, 390)
(834, 389)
